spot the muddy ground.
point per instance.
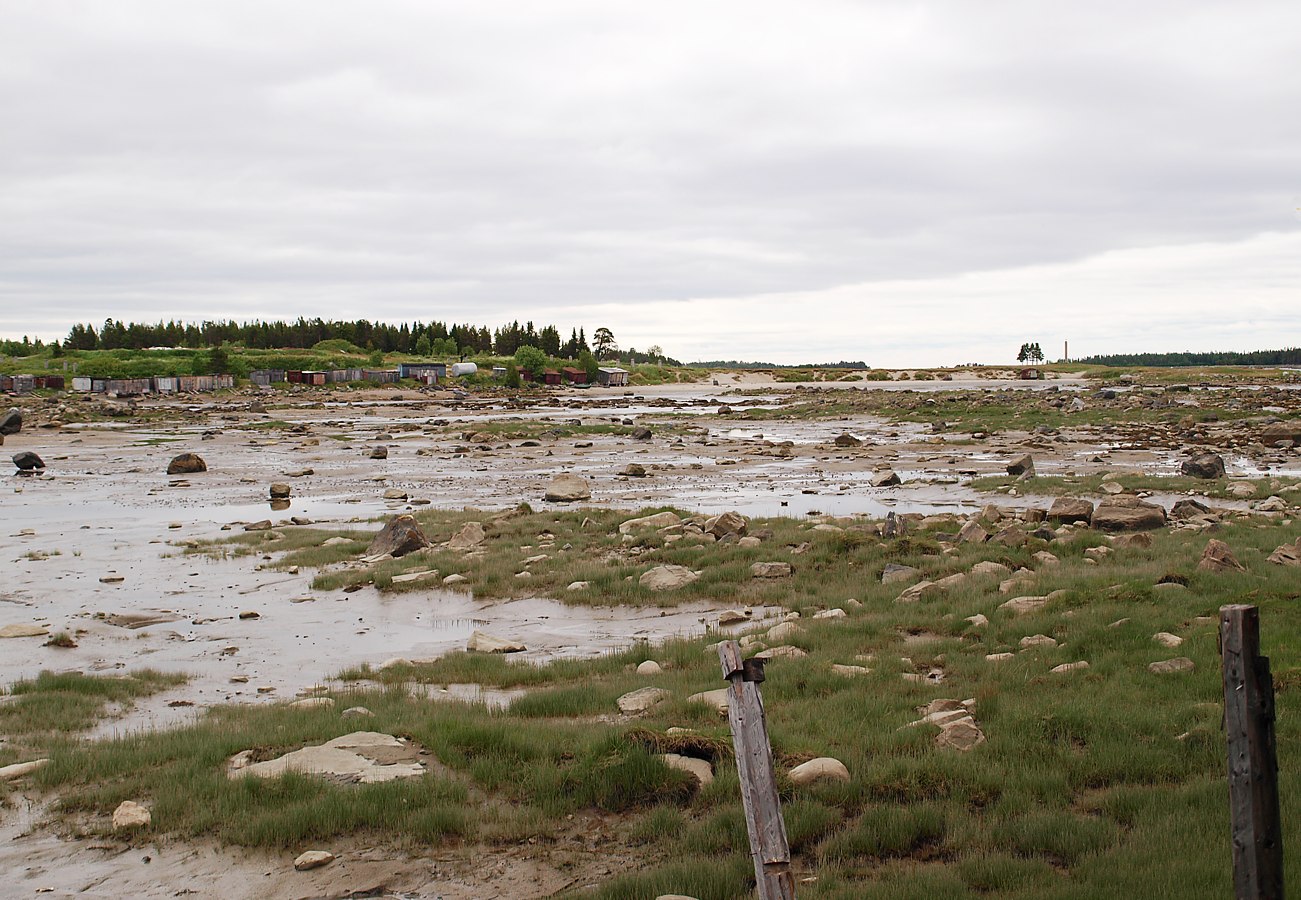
(96, 548)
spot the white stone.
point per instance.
(1069, 667)
(830, 614)
(18, 770)
(313, 859)
(700, 768)
(783, 632)
(659, 520)
(313, 703)
(824, 767)
(718, 699)
(640, 700)
(650, 667)
(130, 814)
(1020, 606)
(1166, 639)
(1037, 640)
(667, 578)
(482, 642)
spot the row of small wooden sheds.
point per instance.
(169, 384)
(24, 384)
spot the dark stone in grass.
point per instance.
(402, 535)
(1189, 509)
(27, 461)
(641, 434)
(1204, 465)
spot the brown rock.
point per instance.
(1217, 557)
(1127, 514)
(1070, 509)
(186, 464)
(1203, 465)
(1287, 554)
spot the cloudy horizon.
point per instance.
(906, 184)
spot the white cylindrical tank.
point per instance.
(464, 368)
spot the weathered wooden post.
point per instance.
(763, 818)
(1253, 762)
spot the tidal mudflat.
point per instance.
(891, 529)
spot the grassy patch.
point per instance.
(1107, 781)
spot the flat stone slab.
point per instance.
(20, 631)
(363, 757)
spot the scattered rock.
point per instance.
(402, 535)
(567, 488)
(1070, 509)
(1022, 466)
(11, 422)
(633, 470)
(700, 768)
(886, 478)
(1217, 557)
(917, 592)
(989, 567)
(785, 651)
(18, 770)
(658, 520)
(455, 579)
(716, 699)
(972, 533)
(362, 757)
(849, 671)
(313, 859)
(820, 769)
(357, 712)
(379, 452)
(468, 538)
(771, 570)
(313, 703)
(642, 699)
(1035, 641)
(1282, 432)
(1203, 465)
(1287, 554)
(395, 494)
(186, 464)
(1020, 606)
(894, 572)
(21, 631)
(641, 434)
(1069, 667)
(27, 461)
(482, 642)
(649, 667)
(667, 578)
(846, 440)
(725, 524)
(961, 734)
(280, 491)
(1166, 639)
(1241, 489)
(130, 815)
(783, 632)
(1127, 514)
(1172, 666)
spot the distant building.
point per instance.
(612, 376)
(574, 376)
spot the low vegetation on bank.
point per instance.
(1105, 779)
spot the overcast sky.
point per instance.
(904, 183)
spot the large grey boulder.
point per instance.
(402, 535)
(567, 488)
(725, 524)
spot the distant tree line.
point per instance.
(1290, 356)
(739, 364)
(421, 338)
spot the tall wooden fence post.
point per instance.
(763, 818)
(1253, 762)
